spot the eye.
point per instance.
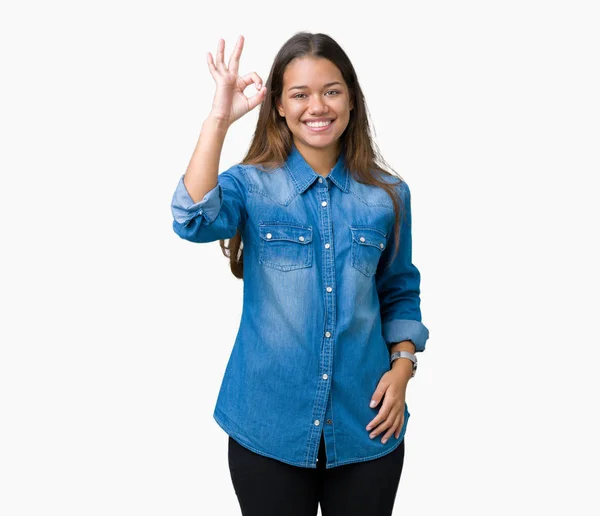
(330, 91)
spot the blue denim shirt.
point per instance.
(320, 311)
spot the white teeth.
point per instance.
(318, 124)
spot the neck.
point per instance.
(321, 161)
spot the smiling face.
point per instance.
(314, 91)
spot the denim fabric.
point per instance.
(320, 308)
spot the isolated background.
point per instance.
(115, 333)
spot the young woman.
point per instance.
(313, 396)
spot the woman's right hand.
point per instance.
(230, 103)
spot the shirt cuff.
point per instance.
(185, 209)
(406, 329)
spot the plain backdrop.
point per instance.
(115, 333)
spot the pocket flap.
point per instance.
(368, 235)
(282, 231)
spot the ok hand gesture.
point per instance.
(230, 103)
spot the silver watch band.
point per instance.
(405, 354)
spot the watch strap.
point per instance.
(405, 354)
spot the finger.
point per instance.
(257, 98)
(221, 55)
(386, 407)
(384, 413)
(387, 423)
(251, 78)
(378, 394)
(391, 430)
(234, 60)
(400, 425)
(211, 66)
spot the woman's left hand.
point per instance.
(392, 385)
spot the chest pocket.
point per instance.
(285, 246)
(368, 244)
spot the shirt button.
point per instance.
(269, 235)
(362, 239)
(200, 212)
(317, 423)
(324, 203)
(329, 289)
(320, 180)
(325, 376)
(327, 334)
(381, 245)
(329, 421)
(327, 246)
(302, 239)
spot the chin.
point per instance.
(317, 140)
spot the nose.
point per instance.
(316, 105)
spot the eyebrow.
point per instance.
(304, 86)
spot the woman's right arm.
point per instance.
(206, 205)
(209, 206)
(203, 169)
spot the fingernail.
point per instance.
(384, 441)
(372, 435)
(373, 403)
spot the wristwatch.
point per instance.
(405, 354)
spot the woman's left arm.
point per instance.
(398, 287)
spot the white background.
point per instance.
(115, 333)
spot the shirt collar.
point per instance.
(303, 175)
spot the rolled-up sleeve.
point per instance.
(398, 286)
(217, 216)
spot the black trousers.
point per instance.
(268, 487)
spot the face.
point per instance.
(314, 90)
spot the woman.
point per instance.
(315, 386)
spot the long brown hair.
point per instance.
(272, 139)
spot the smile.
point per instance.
(318, 127)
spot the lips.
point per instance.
(319, 128)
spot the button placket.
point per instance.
(328, 278)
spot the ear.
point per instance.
(280, 108)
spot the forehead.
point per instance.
(310, 71)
